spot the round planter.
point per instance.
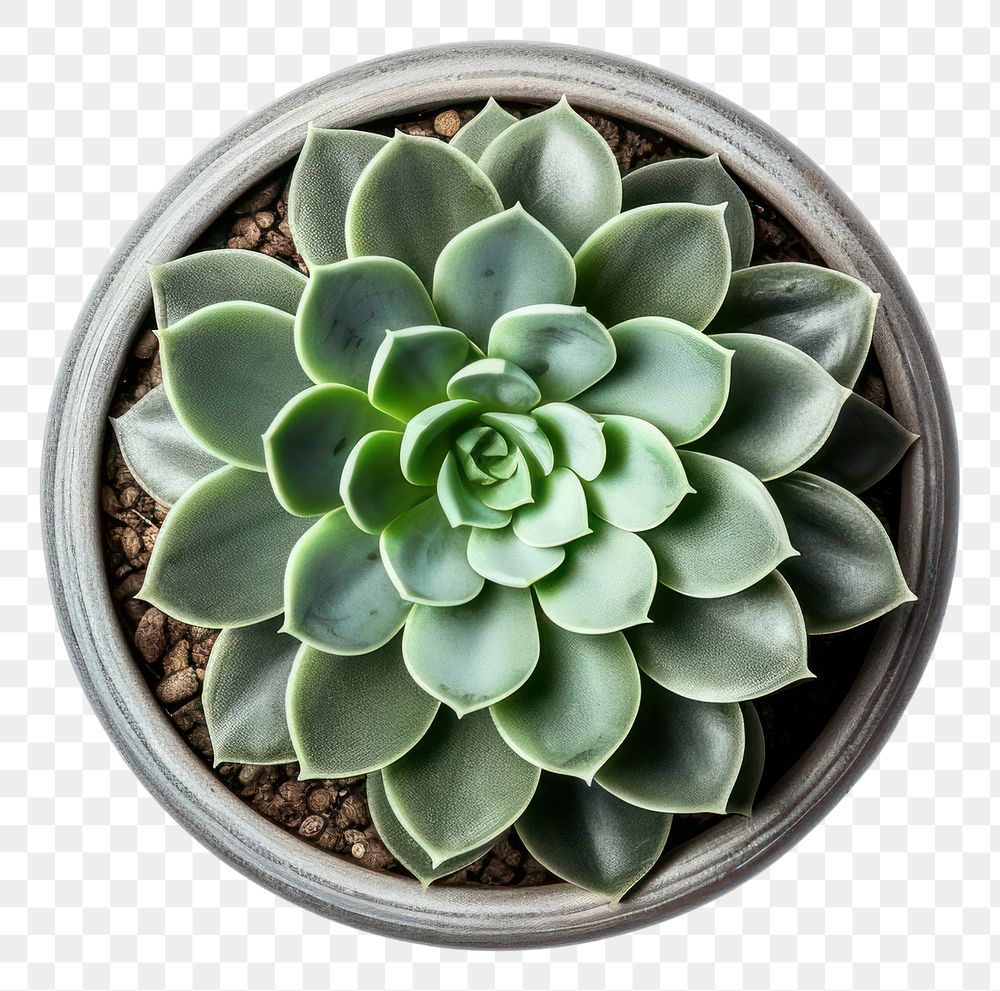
(730, 851)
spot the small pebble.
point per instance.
(447, 123)
(178, 687)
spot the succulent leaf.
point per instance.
(577, 439)
(345, 313)
(219, 558)
(667, 373)
(414, 196)
(501, 557)
(184, 285)
(728, 649)
(724, 537)
(512, 492)
(741, 798)
(590, 838)
(525, 434)
(667, 260)
(496, 384)
(576, 708)
(559, 169)
(695, 180)
(502, 263)
(228, 368)
(445, 790)
(558, 514)
(825, 313)
(164, 458)
(605, 584)
(338, 597)
(866, 443)
(847, 573)
(244, 694)
(427, 438)
(473, 655)
(476, 136)
(351, 715)
(325, 174)
(461, 506)
(308, 444)
(680, 755)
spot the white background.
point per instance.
(98, 888)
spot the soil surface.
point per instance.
(333, 814)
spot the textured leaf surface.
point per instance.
(606, 582)
(735, 647)
(558, 514)
(346, 311)
(497, 384)
(680, 756)
(475, 137)
(741, 798)
(187, 284)
(577, 707)
(352, 715)
(724, 537)
(590, 838)
(228, 369)
(577, 439)
(338, 597)
(219, 559)
(413, 198)
(428, 436)
(667, 260)
(327, 169)
(164, 458)
(502, 263)
(445, 791)
(847, 573)
(244, 694)
(824, 313)
(472, 655)
(668, 374)
(695, 180)
(499, 556)
(462, 506)
(865, 445)
(307, 445)
(559, 169)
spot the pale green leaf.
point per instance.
(499, 556)
(577, 439)
(475, 449)
(476, 136)
(460, 504)
(558, 514)
(511, 492)
(741, 798)
(428, 436)
(525, 433)
(496, 384)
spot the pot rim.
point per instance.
(508, 918)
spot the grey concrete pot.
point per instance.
(395, 906)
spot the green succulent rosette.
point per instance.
(518, 501)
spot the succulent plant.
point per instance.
(518, 501)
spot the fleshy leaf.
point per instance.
(558, 514)
(865, 445)
(412, 367)
(728, 649)
(426, 557)
(847, 573)
(574, 711)
(475, 445)
(244, 694)
(511, 492)
(666, 260)
(228, 368)
(346, 311)
(307, 445)
(497, 384)
(446, 791)
(606, 582)
(403, 846)
(187, 284)
(563, 348)
(724, 537)
(164, 458)
(680, 756)
(741, 798)
(427, 437)
(695, 180)
(774, 437)
(526, 435)
(219, 559)
(643, 480)
(500, 557)
(577, 439)
(462, 507)
(668, 374)
(325, 174)
(559, 169)
(476, 136)
(352, 715)
(502, 263)
(590, 838)
(824, 313)
(372, 484)
(415, 195)
(338, 597)
(473, 655)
